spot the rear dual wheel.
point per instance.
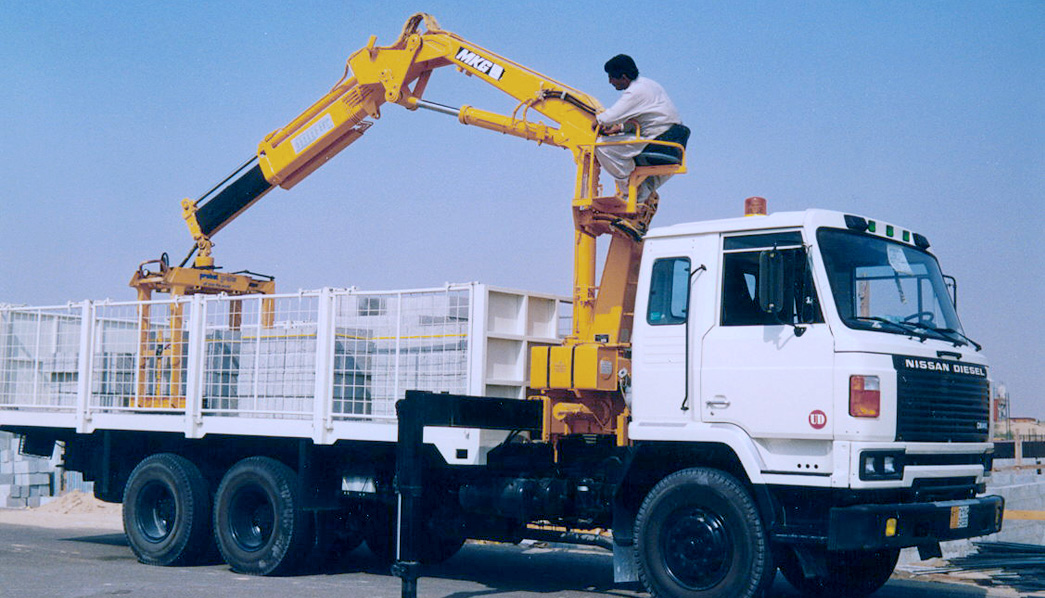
(167, 512)
(259, 525)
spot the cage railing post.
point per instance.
(398, 347)
(324, 383)
(267, 320)
(195, 367)
(85, 367)
(36, 357)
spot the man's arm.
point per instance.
(626, 106)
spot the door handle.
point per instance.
(718, 402)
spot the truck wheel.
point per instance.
(259, 524)
(698, 534)
(166, 511)
(854, 574)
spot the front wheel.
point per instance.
(698, 534)
(851, 574)
(259, 524)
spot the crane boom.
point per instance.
(398, 74)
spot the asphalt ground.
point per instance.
(79, 563)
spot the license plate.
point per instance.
(960, 517)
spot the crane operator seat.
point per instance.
(655, 154)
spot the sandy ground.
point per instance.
(73, 510)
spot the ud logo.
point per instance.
(818, 419)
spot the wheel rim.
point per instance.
(251, 519)
(155, 512)
(697, 548)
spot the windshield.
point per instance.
(884, 285)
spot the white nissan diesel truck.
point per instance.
(800, 395)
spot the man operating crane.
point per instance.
(643, 102)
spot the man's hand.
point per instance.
(611, 129)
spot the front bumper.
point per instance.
(868, 527)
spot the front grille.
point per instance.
(940, 401)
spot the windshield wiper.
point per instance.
(943, 332)
(903, 328)
(961, 335)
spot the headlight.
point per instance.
(881, 465)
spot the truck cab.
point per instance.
(825, 351)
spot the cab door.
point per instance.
(770, 374)
(671, 314)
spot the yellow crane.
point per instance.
(582, 381)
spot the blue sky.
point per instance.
(927, 114)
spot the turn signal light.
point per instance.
(865, 396)
(890, 527)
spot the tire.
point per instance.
(167, 512)
(698, 534)
(259, 524)
(849, 574)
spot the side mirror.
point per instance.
(771, 281)
(952, 287)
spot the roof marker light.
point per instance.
(872, 226)
(889, 230)
(855, 223)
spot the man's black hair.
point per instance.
(622, 64)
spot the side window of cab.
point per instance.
(669, 292)
(740, 276)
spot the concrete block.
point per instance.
(36, 479)
(38, 491)
(16, 503)
(21, 467)
(7, 478)
(32, 502)
(16, 491)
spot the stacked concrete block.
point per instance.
(1023, 491)
(24, 481)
